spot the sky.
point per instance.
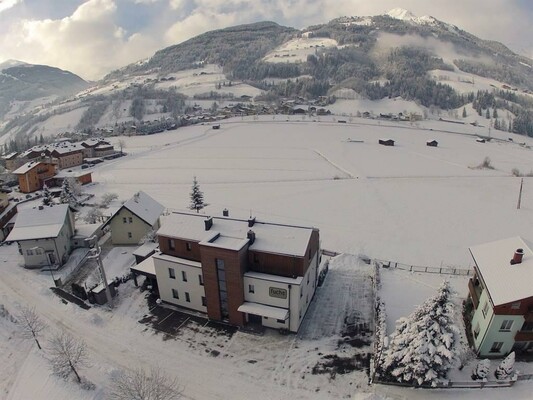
(94, 37)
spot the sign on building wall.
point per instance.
(277, 292)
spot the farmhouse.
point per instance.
(237, 270)
(44, 235)
(33, 174)
(138, 216)
(502, 297)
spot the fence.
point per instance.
(427, 270)
(456, 385)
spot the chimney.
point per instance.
(225, 212)
(251, 222)
(251, 236)
(517, 258)
(208, 223)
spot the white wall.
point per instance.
(192, 286)
(119, 229)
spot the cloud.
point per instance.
(7, 4)
(102, 35)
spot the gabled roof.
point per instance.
(143, 206)
(505, 283)
(23, 169)
(35, 223)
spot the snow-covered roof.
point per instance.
(505, 283)
(276, 278)
(11, 155)
(145, 207)
(269, 237)
(225, 242)
(145, 267)
(23, 169)
(39, 223)
(73, 173)
(146, 249)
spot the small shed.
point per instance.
(216, 126)
(98, 293)
(432, 143)
(144, 251)
(386, 142)
(480, 140)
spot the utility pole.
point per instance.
(520, 194)
(96, 252)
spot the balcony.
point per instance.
(475, 292)
(524, 336)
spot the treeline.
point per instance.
(503, 72)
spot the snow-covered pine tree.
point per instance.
(481, 371)
(47, 196)
(421, 350)
(197, 197)
(67, 196)
(505, 369)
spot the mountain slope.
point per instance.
(21, 81)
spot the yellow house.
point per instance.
(138, 216)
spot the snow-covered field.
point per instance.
(297, 50)
(409, 203)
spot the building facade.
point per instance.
(239, 271)
(135, 219)
(44, 235)
(33, 174)
(501, 295)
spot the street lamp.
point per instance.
(96, 252)
(49, 264)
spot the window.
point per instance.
(485, 309)
(38, 252)
(280, 321)
(476, 330)
(29, 252)
(251, 289)
(130, 220)
(515, 305)
(184, 276)
(527, 326)
(171, 244)
(171, 273)
(201, 280)
(506, 325)
(187, 297)
(496, 347)
(188, 246)
(175, 294)
(124, 220)
(204, 301)
(129, 235)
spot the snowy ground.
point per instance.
(297, 50)
(409, 203)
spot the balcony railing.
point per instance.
(475, 292)
(524, 336)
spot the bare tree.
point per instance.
(149, 237)
(67, 354)
(32, 325)
(121, 144)
(138, 385)
(93, 216)
(107, 198)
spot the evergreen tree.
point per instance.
(421, 350)
(47, 196)
(487, 114)
(464, 112)
(505, 369)
(494, 113)
(197, 197)
(481, 371)
(67, 196)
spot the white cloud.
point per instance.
(91, 42)
(7, 4)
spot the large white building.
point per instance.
(501, 293)
(235, 270)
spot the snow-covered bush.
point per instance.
(505, 369)
(421, 350)
(481, 371)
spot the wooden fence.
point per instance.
(428, 270)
